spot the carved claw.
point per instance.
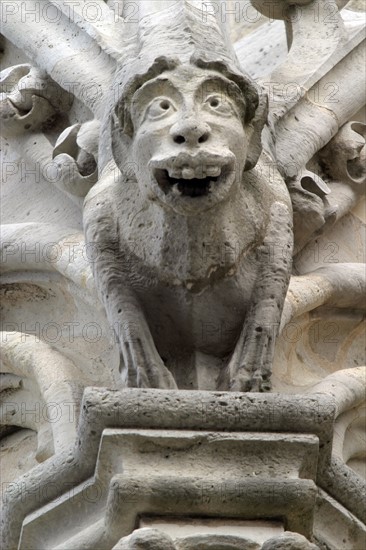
(245, 380)
(249, 368)
(145, 368)
(154, 375)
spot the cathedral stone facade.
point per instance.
(183, 275)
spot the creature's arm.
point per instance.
(250, 366)
(141, 365)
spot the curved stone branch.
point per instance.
(341, 285)
(320, 85)
(71, 165)
(63, 175)
(56, 249)
(315, 32)
(347, 387)
(59, 380)
(318, 39)
(70, 56)
(105, 24)
(343, 423)
(317, 117)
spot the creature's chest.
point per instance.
(205, 314)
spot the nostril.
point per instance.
(178, 139)
(203, 138)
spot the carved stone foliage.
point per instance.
(75, 155)
(30, 100)
(345, 155)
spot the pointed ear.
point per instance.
(254, 130)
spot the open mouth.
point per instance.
(189, 181)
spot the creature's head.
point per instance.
(188, 131)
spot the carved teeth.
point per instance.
(213, 171)
(186, 182)
(188, 173)
(175, 173)
(200, 172)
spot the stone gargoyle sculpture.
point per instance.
(194, 235)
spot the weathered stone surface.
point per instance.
(146, 539)
(87, 488)
(152, 538)
(289, 541)
(192, 187)
(190, 125)
(255, 531)
(333, 525)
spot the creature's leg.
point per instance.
(250, 366)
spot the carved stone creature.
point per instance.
(187, 238)
(194, 241)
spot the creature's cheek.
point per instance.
(142, 149)
(147, 142)
(237, 135)
(230, 135)
(239, 144)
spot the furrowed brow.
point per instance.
(150, 88)
(213, 84)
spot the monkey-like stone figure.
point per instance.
(194, 241)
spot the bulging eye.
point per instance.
(219, 104)
(214, 102)
(160, 107)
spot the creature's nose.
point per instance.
(190, 131)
